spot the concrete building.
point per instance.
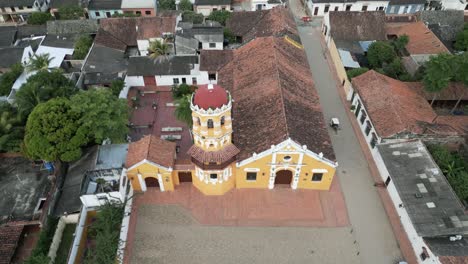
(205, 7)
(404, 6)
(104, 8)
(192, 38)
(447, 5)
(19, 10)
(139, 7)
(322, 7)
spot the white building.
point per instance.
(19, 10)
(448, 5)
(205, 7)
(322, 7)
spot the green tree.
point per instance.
(460, 72)
(101, 115)
(394, 69)
(229, 36)
(356, 72)
(38, 259)
(117, 86)
(82, 46)
(166, 5)
(220, 16)
(191, 16)
(70, 12)
(39, 62)
(400, 44)
(8, 78)
(42, 86)
(11, 129)
(158, 49)
(438, 73)
(52, 132)
(39, 18)
(181, 90)
(185, 5)
(380, 52)
(183, 111)
(461, 41)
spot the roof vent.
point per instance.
(210, 87)
(418, 195)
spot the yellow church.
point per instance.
(250, 135)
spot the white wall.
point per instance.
(102, 13)
(364, 124)
(206, 10)
(264, 3)
(202, 77)
(453, 5)
(357, 6)
(57, 239)
(206, 46)
(133, 81)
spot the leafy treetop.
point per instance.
(220, 16)
(82, 46)
(191, 16)
(380, 52)
(461, 41)
(166, 5)
(185, 5)
(8, 78)
(70, 12)
(39, 18)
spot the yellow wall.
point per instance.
(339, 66)
(217, 133)
(150, 170)
(214, 189)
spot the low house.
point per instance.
(173, 70)
(104, 8)
(256, 5)
(19, 10)
(348, 36)
(139, 7)
(404, 6)
(192, 38)
(445, 24)
(322, 7)
(447, 5)
(430, 212)
(8, 36)
(205, 7)
(13, 55)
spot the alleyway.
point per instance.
(373, 232)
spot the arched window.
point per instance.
(210, 123)
(222, 120)
(198, 121)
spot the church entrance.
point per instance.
(283, 177)
(151, 182)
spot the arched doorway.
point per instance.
(283, 177)
(151, 182)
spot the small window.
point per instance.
(287, 158)
(316, 10)
(336, 8)
(147, 12)
(222, 120)
(381, 8)
(316, 177)
(194, 80)
(184, 80)
(20, 8)
(213, 176)
(364, 8)
(251, 176)
(124, 181)
(212, 45)
(368, 127)
(108, 14)
(12, 9)
(373, 140)
(348, 7)
(97, 14)
(198, 121)
(210, 123)
(215, 9)
(223, 8)
(327, 8)
(138, 12)
(212, 76)
(363, 116)
(29, 7)
(175, 80)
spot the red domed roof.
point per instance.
(210, 96)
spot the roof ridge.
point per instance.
(392, 105)
(283, 108)
(149, 146)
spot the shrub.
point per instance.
(166, 5)
(356, 72)
(82, 46)
(379, 53)
(8, 79)
(229, 36)
(191, 16)
(117, 86)
(39, 18)
(70, 12)
(461, 41)
(179, 91)
(220, 16)
(185, 5)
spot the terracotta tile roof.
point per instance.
(9, 237)
(421, 39)
(213, 60)
(459, 123)
(153, 149)
(106, 39)
(453, 259)
(277, 21)
(129, 30)
(392, 105)
(274, 98)
(220, 156)
(451, 93)
(357, 26)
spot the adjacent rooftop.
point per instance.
(357, 26)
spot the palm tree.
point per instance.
(158, 49)
(39, 62)
(183, 111)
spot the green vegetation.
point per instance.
(158, 49)
(185, 5)
(229, 36)
(181, 90)
(105, 231)
(41, 87)
(82, 46)
(191, 16)
(8, 79)
(220, 16)
(39, 18)
(166, 5)
(454, 167)
(383, 58)
(39, 253)
(58, 128)
(183, 111)
(117, 86)
(39, 62)
(356, 72)
(461, 42)
(11, 129)
(400, 44)
(70, 12)
(65, 244)
(380, 52)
